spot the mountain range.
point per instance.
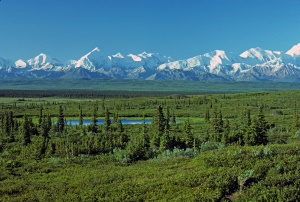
(254, 64)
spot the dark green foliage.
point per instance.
(207, 115)
(188, 134)
(159, 121)
(60, 124)
(46, 127)
(218, 126)
(107, 121)
(93, 126)
(188, 159)
(80, 118)
(26, 131)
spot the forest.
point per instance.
(193, 146)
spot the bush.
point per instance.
(121, 155)
(206, 146)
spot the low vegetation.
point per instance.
(199, 147)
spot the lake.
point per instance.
(101, 121)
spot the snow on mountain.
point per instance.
(135, 58)
(152, 60)
(97, 61)
(129, 61)
(211, 62)
(259, 56)
(254, 64)
(43, 61)
(94, 60)
(294, 51)
(21, 64)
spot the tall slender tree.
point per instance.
(107, 121)
(80, 118)
(159, 121)
(26, 131)
(188, 134)
(60, 120)
(93, 126)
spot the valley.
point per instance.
(197, 142)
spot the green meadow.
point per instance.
(207, 141)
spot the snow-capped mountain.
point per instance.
(254, 64)
(294, 51)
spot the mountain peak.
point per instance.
(20, 64)
(118, 55)
(294, 51)
(252, 52)
(253, 64)
(135, 57)
(96, 49)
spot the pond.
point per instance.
(101, 121)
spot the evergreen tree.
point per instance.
(46, 127)
(250, 136)
(225, 136)
(120, 128)
(218, 124)
(257, 132)
(262, 127)
(107, 121)
(11, 120)
(173, 118)
(248, 118)
(80, 118)
(159, 121)
(145, 136)
(60, 120)
(165, 141)
(93, 125)
(49, 121)
(296, 118)
(207, 116)
(26, 131)
(116, 118)
(168, 117)
(40, 116)
(188, 134)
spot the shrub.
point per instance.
(206, 146)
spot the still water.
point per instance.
(101, 121)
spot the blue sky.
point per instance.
(68, 29)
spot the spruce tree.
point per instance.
(159, 121)
(165, 141)
(45, 134)
(296, 118)
(248, 118)
(262, 127)
(80, 118)
(120, 128)
(26, 131)
(107, 121)
(168, 117)
(188, 134)
(40, 116)
(250, 135)
(60, 120)
(225, 135)
(93, 126)
(173, 118)
(207, 116)
(218, 125)
(145, 136)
